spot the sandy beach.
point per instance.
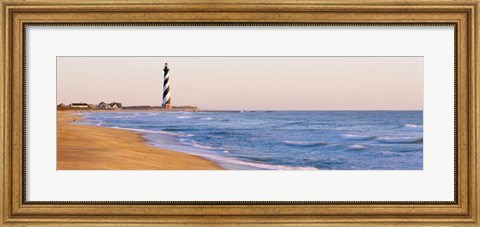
(83, 147)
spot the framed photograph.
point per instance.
(245, 112)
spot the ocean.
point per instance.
(283, 140)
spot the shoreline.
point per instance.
(86, 147)
(224, 163)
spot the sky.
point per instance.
(246, 83)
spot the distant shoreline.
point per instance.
(230, 111)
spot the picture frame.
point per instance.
(16, 15)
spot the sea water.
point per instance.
(285, 140)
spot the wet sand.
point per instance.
(84, 147)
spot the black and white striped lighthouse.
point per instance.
(167, 103)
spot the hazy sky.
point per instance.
(247, 83)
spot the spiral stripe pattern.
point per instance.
(166, 86)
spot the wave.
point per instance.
(413, 126)
(215, 157)
(400, 140)
(226, 133)
(304, 144)
(408, 150)
(229, 160)
(253, 111)
(183, 117)
(359, 137)
(95, 122)
(261, 159)
(148, 131)
(263, 165)
(179, 134)
(124, 117)
(278, 167)
(197, 145)
(185, 135)
(357, 147)
(258, 165)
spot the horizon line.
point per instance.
(201, 109)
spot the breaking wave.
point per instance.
(305, 144)
(413, 126)
(400, 140)
(357, 147)
(359, 137)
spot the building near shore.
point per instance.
(102, 105)
(115, 105)
(109, 106)
(82, 105)
(79, 105)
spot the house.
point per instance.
(102, 105)
(115, 105)
(79, 105)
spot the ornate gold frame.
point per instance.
(16, 14)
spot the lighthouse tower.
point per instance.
(167, 103)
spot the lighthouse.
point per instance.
(167, 103)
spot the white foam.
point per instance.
(204, 146)
(227, 162)
(255, 165)
(123, 117)
(358, 137)
(357, 146)
(413, 126)
(147, 131)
